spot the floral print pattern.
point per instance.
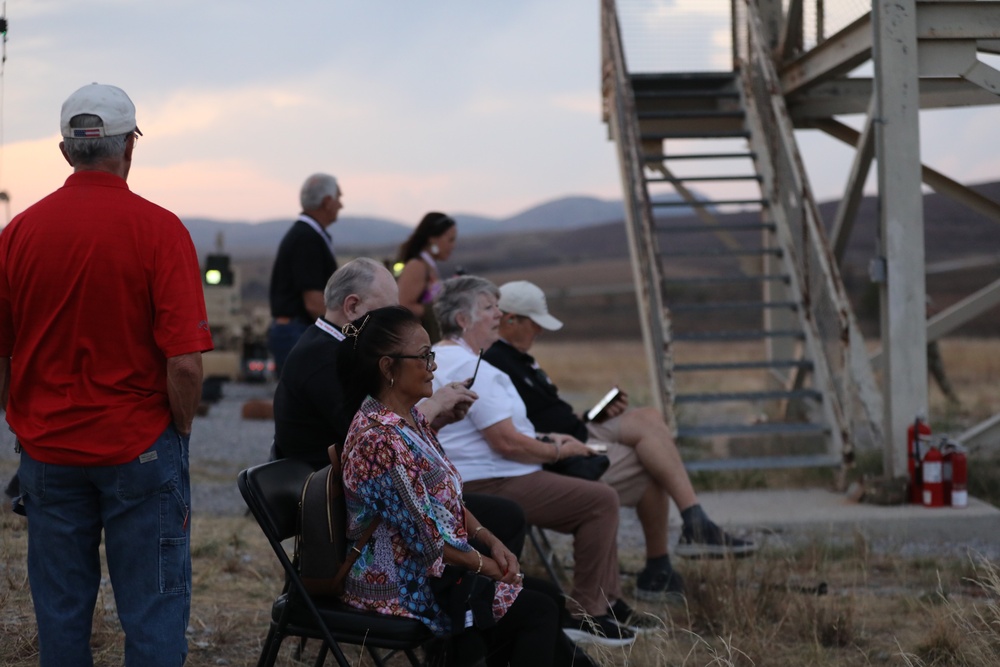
(402, 475)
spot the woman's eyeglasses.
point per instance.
(427, 356)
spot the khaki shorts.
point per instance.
(625, 474)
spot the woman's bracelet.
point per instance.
(476, 532)
(480, 568)
(555, 443)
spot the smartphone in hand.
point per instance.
(602, 405)
(468, 383)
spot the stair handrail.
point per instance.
(842, 370)
(618, 102)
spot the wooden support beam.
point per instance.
(962, 311)
(791, 36)
(835, 57)
(897, 140)
(956, 315)
(847, 211)
(852, 96)
(930, 177)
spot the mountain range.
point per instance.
(244, 239)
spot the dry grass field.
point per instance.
(766, 611)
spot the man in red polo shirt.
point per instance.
(102, 326)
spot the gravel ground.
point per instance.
(223, 444)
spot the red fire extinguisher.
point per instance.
(933, 478)
(956, 471)
(918, 436)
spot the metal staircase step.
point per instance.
(707, 134)
(761, 429)
(743, 365)
(693, 114)
(704, 179)
(678, 93)
(724, 252)
(726, 280)
(711, 228)
(662, 157)
(723, 397)
(731, 305)
(745, 334)
(711, 79)
(716, 202)
(768, 462)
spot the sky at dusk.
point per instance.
(466, 107)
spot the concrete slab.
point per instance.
(811, 513)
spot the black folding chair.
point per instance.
(550, 560)
(272, 492)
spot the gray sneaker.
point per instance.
(659, 586)
(633, 620)
(707, 540)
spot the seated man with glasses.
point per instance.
(646, 467)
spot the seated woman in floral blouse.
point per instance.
(396, 473)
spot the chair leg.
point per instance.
(269, 653)
(550, 561)
(412, 656)
(321, 656)
(376, 658)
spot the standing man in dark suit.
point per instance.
(302, 266)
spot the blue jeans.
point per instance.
(143, 508)
(281, 338)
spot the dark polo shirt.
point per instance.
(308, 401)
(548, 412)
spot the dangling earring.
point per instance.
(435, 251)
(392, 381)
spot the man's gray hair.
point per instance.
(460, 295)
(88, 152)
(355, 277)
(316, 188)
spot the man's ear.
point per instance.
(62, 149)
(129, 146)
(350, 307)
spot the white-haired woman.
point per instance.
(496, 450)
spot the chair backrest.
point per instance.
(272, 491)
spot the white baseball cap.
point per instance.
(527, 299)
(109, 102)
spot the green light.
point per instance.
(213, 276)
(397, 268)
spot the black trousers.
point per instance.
(504, 518)
(526, 637)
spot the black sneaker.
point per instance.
(633, 620)
(707, 540)
(598, 630)
(659, 586)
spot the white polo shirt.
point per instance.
(498, 400)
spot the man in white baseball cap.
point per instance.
(109, 103)
(102, 326)
(646, 467)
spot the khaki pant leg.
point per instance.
(588, 511)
